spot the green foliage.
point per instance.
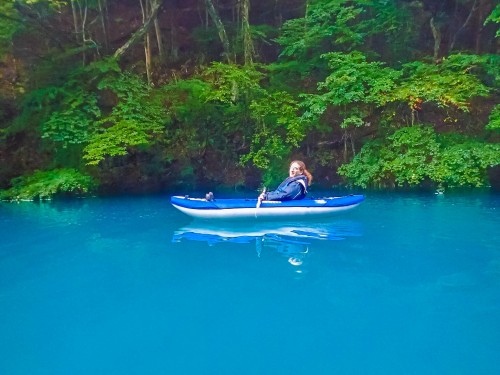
(114, 141)
(346, 25)
(393, 22)
(209, 123)
(262, 34)
(277, 131)
(345, 64)
(325, 22)
(36, 108)
(75, 121)
(47, 184)
(268, 118)
(452, 83)
(10, 23)
(353, 79)
(355, 87)
(75, 116)
(224, 109)
(197, 123)
(292, 75)
(133, 121)
(187, 100)
(404, 158)
(353, 82)
(491, 65)
(416, 154)
(494, 17)
(107, 65)
(135, 113)
(464, 161)
(494, 123)
(73, 107)
(232, 82)
(49, 3)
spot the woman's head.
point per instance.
(297, 168)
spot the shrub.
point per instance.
(412, 155)
(47, 184)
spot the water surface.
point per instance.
(403, 284)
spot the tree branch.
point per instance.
(139, 34)
(473, 9)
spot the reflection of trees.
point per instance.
(48, 213)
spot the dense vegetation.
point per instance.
(143, 95)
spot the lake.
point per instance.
(403, 284)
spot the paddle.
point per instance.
(259, 203)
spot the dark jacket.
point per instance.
(290, 189)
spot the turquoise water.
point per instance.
(403, 284)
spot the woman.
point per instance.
(294, 187)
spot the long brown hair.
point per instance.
(304, 170)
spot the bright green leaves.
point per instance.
(494, 123)
(494, 17)
(10, 23)
(270, 117)
(106, 66)
(137, 116)
(136, 102)
(415, 154)
(277, 129)
(411, 154)
(464, 161)
(405, 157)
(195, 122)
(76, 119)
(232, 82)
(228, 111)
(50, 3)
(452, 83)
(46, 184)
(346, 25)
(353, 85)
(325, 22)
(104, 110)
(114, 141)
(187, 100)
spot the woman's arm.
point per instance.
(293, 190)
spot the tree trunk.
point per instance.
(104, 21)
(248, 48)
(345, 138)
(220, 29)
(82, 8)
(75, 20)
(145, 6)
(159, 39)
(138, 34)
(437, 39)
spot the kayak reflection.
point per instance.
(291, 239)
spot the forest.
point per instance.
(138, 96)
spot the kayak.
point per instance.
(248, 208)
